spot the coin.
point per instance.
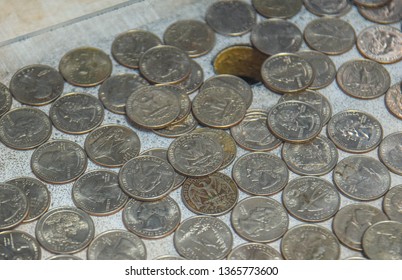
(393, 100)
(192, 36)
(381, 43)
(331, 36)
(129, 46)
(168, 258)
(36, 84)
(5, 99)
(178, 129)
(363, 79)
(13, 206)
(390, 152)
(37, 194)
(184, 102)
(362, 178)
(392, 203)
(389, 13)
(195, 155)
(351, 222)
(76, 113)
(260, 173)
(24, 128)
(294, 121)
(354, 131)
(146, 178)
(65, 230)
(334, 8)
(382, 241)
(116, 89)
(18, 245)
(311, 199)
(231, 18)
(194, 80)
(259, 219)
(85, 66)
(59, 161)
(276, 36)
(203, 238)
(315, 158)
(152, 219)
(371, 3)
(254, 251)
(165, 65)
(215, 194)
(310, 242)
(64, 258)
(98, 193)
(277, 8)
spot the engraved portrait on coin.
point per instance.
(5, 99)
(393, 100)
(392, 203)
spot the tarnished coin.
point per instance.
(219, 107)
(195, 155)
(192, 36)
(260, 173)
(314, 158)
(178, 129)
(5, 99)
(254, 251)
(260, 219)
(117, 245)
(184, 102)
(13, 206)
(311, 199)
(112, 145)
(64, 258)
(203, 238)
(36, 84)
(59, 161)
(287, 72)
(65, 230)
(85, 66)
(390, 152)
(18, 245)
(116, 89)
(194, 80)
(98, 193)
(76, 113)
(153, 107)
(381, 43)
(310, 242)
(389, 13)
(392, 203)
(294, 121)
(152, 219)
(231, 17)
(215, 194)
(276, 36)
(165, 65)
(363, 79)
(383, 241)
(393, 100)
(362, 178)
(129, 46)
(277, 8)
(330, 35)
(351, 222)
(354, 131)
(37, 194)
(146, 178)
(371, 3)
(333, 8)
(25, 128)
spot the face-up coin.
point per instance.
(392, 203)
(393, 100)
(260, 219)
(390, 152)
(5, 99)
(194, 80)
(203, 238)
(65, 230)
(333, 8)
(13, 206)
(152, 219)
(389, 13)
(18, 245)
(254, 251)
(25, 128)
(59, 161)
(178, 129)
(362, 178)
(184, 101)
(277, 8)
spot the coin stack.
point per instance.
(229, 157)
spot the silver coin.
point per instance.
(392, 203)
(277, 8)
(334, 8)
(254, 251)
(5, 99)
(389, 13)
(390, 152)
(64, 258)
(194, 80)
(371, 3)
(184, 102)
(203, 238)
(393, 100)
(18, 245)
(13, 206)
(178, 129)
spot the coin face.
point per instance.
(85, 66)
(65, 230)
(231, 18)
(362, 178)
(18, 245)
(5, 99)
(352, 221)
(178, 129)
(13, 206)
(194, 80)
(25, 128)
(184, 102)
(310, 242)
(152, 219)
(354, 131)
(76, 113)
(371, 3)
(260, 173)
(260, 219)
(129, 46)
(392, 203)
(393, 100)
(277, 8)
(254, 251)
(335, 8)
(203, 238)
(389, 13)
(390, 152)
(59, 161)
